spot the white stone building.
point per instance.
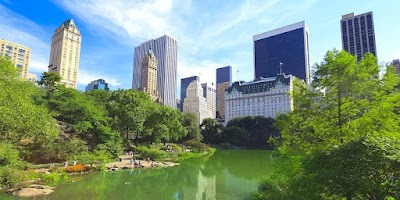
(210, 93)
(195, 102)
(262, 97)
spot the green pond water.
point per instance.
(225, 175)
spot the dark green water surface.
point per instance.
(225, 175)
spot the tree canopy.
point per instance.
(341, 141)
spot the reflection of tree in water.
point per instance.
(214, 177)
(247, 163)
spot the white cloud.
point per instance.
(23, 31)
(204, 31)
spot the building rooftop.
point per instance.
(69, 22)
(351, 15)
(260, 84)
(281, 30)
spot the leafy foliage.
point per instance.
(341, 141)
(153, 154)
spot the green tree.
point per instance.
(211, 130)
(22, 121)
(342, 138)
(259, 129)
(50, 80)
(236, 136)
(190, 122)
(128, 109)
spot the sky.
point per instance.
(210, 34)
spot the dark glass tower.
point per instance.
(284, 50)
(358, 35)
(224, 81)
(224, 74)
(99, 84)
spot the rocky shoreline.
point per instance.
(126, 163)
(32, 190)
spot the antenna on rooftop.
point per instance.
(280, 67)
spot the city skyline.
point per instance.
(203, 47)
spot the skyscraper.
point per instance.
(396, 64)
(209, 92)
(149, 75)
(224, 81)
(195, 101)
(184, 84)
(284, 49)
(65, 53)
(99, 84)
(165, 49)
(18, 54)
(358, 35)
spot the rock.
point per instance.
(33, 190)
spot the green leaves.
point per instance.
(342, 135)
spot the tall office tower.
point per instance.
(184, 84)
(165, 49)
(18, 54)
(195, 101)
(99, 84)
(224, 81)
(65, 53)
(358, 35)
(149, 75)
(209, 92)
(285, 50)
(396, 64)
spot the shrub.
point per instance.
(196, 145)
(9, 177)
(151, 153)
(176, 147)
(54, 176)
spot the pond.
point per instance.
(225, 175)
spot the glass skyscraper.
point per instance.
(165, 49)
(224, 74)
(224, 81)
(358, 35)
(284, 50)
(99, 84)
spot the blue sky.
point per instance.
(210, 34)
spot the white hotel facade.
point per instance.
(165, 49)
(263, 97)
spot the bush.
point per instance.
(154, 154)
(9, 177)
(196, 146)
(176, 147)
(54, 176)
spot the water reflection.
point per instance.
(225, 175)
